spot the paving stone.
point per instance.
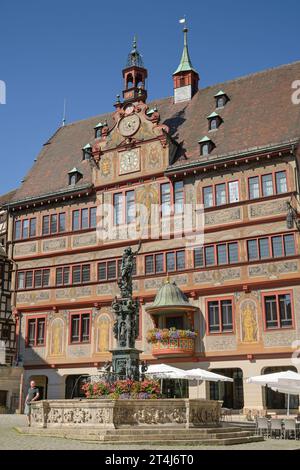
(10, 439)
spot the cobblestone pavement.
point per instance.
(10, 439)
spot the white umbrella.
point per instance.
(275, 381)
(205, 375)
(163, 371)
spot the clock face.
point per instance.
(129, 162)
(129, 125)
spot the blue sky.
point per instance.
(51, 50)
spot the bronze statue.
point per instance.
(125, 280)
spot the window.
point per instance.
(214, 124)
(130, 207)
(83, 219)
(63, 276)
(267, 185)
(208, 197)
(178, 197)
(98, 133)
(18, 229)
(62, 222)
(165, 199)
(218, 254)
(81, 274)
(221, 194)
(41, 278)
(209, 255)
(254, 192)
(118, 208)
(275, 246)
(281, 183)
(198, 257)
(165, 262)
(80, 328)
(32, 227)
(45, 227)
(21, 280)
(36, 332)
(220, 316)
(93, 217)
(33, 279)
(54, 223)
(278, 310)
(205, 149)
(25, 228)
(111, 269)
(233, 190)
(264, 249)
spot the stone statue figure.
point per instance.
(125, 280)
(249, 326)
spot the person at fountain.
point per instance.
(32, 395)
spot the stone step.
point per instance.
(184, 442)
(169, 436)
(162, 430)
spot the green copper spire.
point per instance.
(185, 63)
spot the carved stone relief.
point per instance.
(54, 245)
(273, 269)
(268, 208)
(223, 217)
(217, 276)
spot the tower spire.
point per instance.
(185, 77)
(134, 75)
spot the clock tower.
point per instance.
(134, 76)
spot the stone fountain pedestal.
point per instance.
(113, 414)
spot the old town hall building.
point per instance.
(230, 147)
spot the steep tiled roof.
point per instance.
(259, 113)
(7, 197)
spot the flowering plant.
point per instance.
(165, 334)
(123, 389)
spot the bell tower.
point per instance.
(185, 77)
(134, 75)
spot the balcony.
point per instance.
(172, 342)
(181, 347)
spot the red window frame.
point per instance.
(36, 319)
(33, 273)
(117, 268)
(269, 237)
(81, 271)
(123, 207)
(260, 177)
(89, 226)
(215, 247)
(21, 221)
(172, 197)
(164, 253)
(214, 191)
(80, 314)
(219, 300)
(277, 294)
(63, 276)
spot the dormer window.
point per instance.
(221, 99)
(74, 176)
(86, 152)
(98, 130)
(214, 121)
(206, 146)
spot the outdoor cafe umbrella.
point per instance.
(205, 375)
(164, 371)
(279, 381)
